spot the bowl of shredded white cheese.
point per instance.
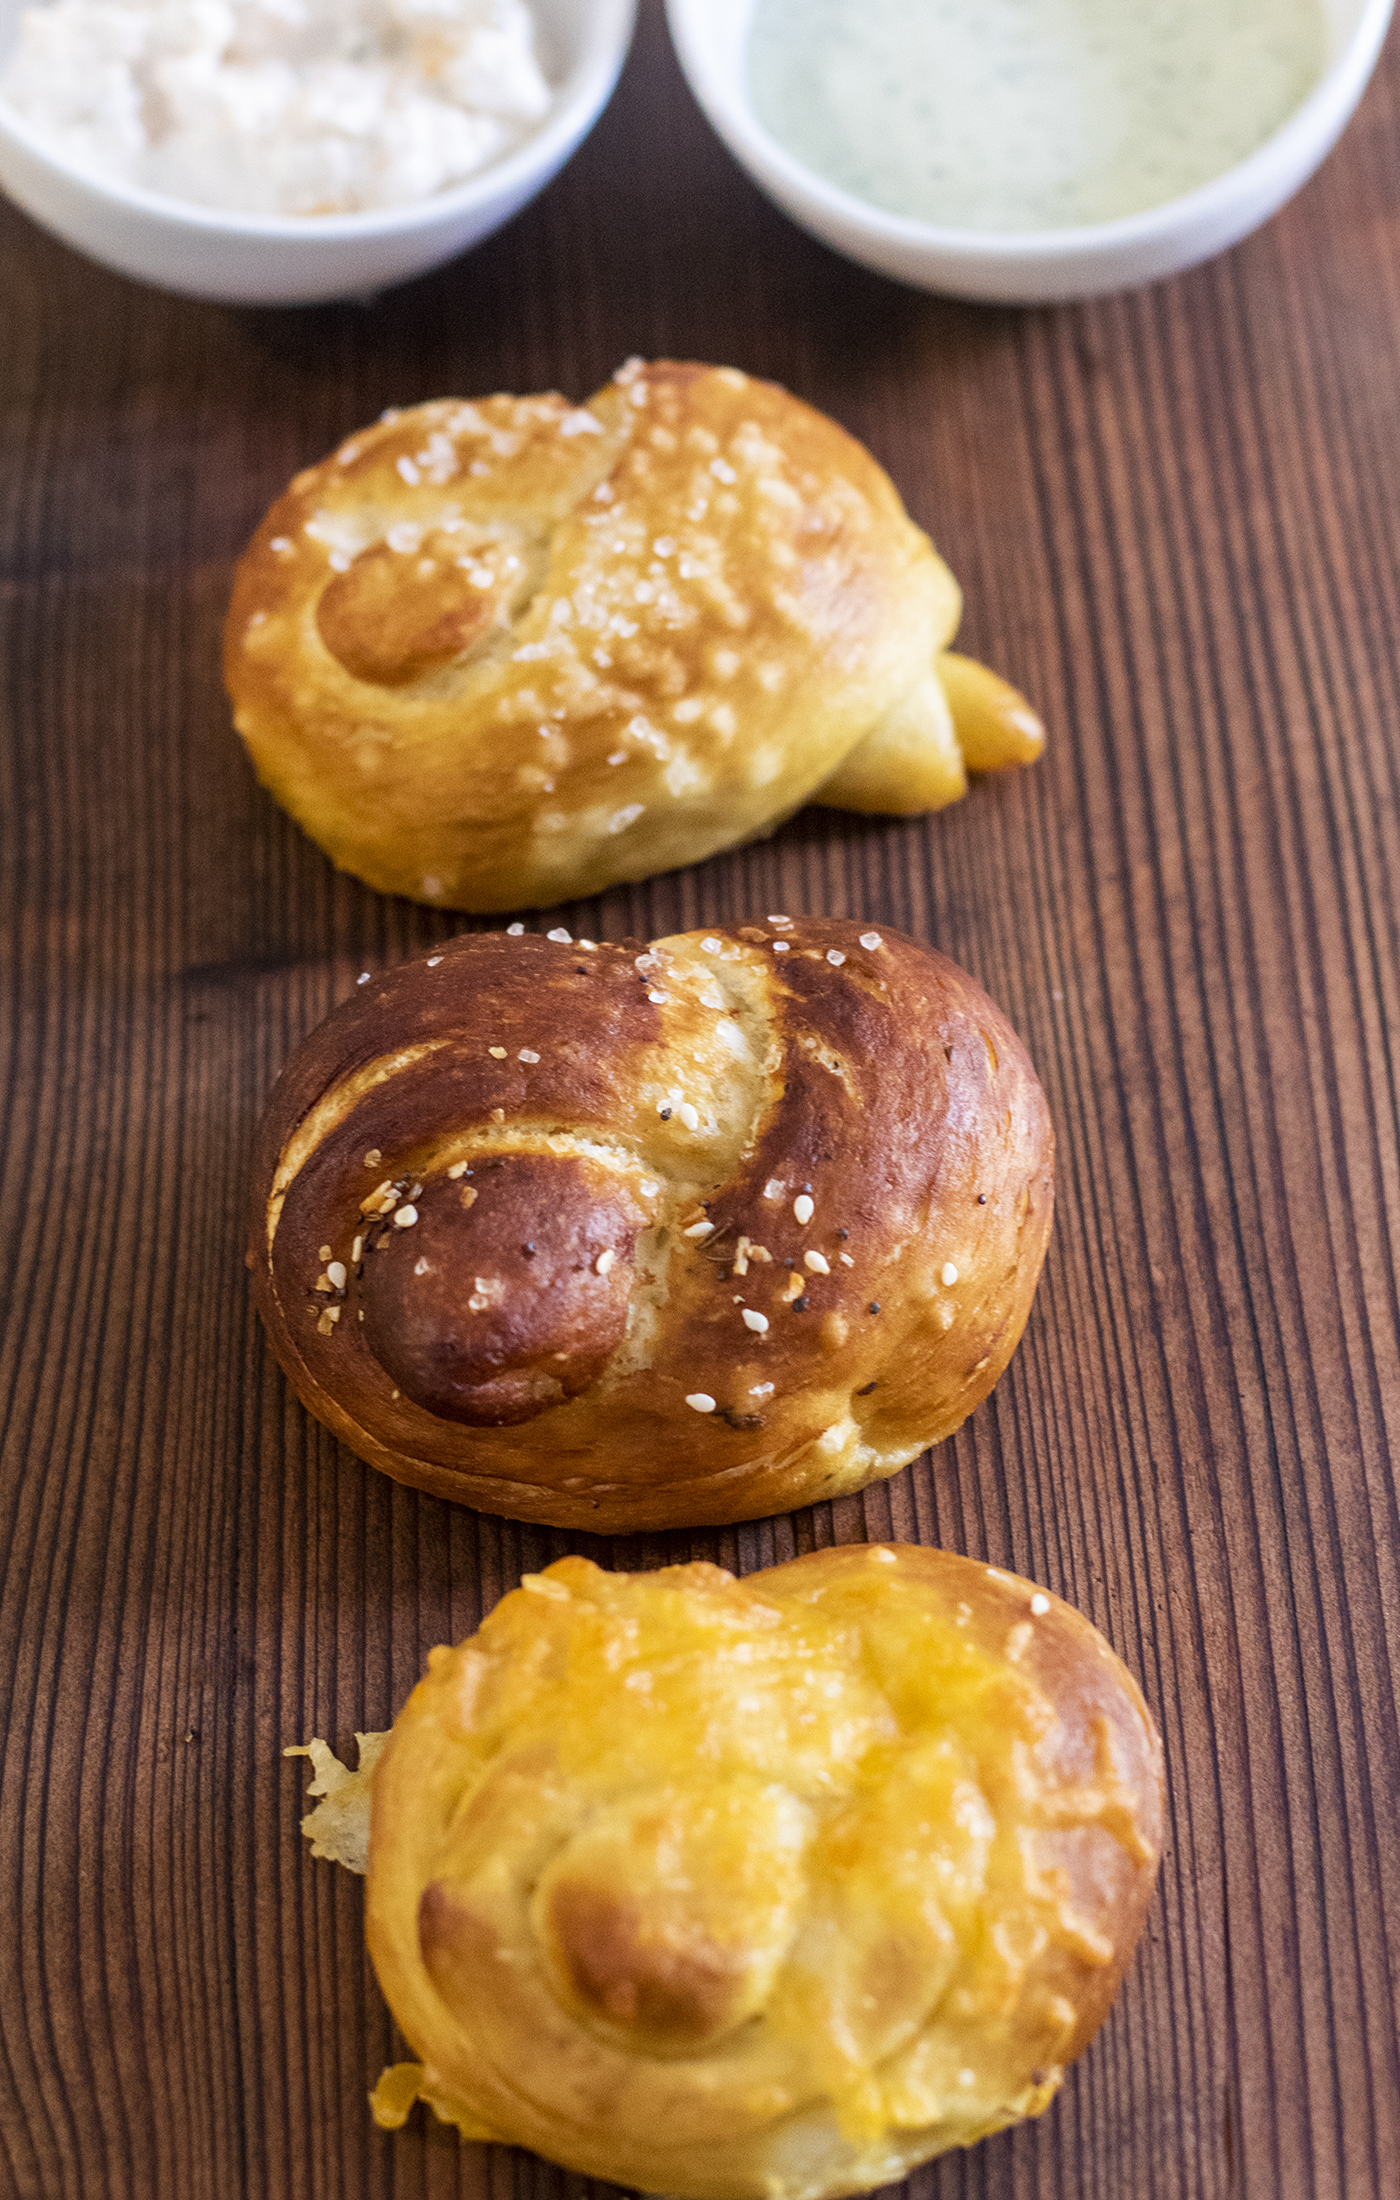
(289, 151)
(1029, 150)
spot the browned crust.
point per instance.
(893, 1088)
(454, 583)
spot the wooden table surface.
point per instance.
(1177, 519)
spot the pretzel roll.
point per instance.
(494, 655)
(634, 1238)
(762, 1889)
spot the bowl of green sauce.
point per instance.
(1025, 151)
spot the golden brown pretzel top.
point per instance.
(493, 654)
(762, 1887)
(625, 1236)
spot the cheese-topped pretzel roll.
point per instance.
(763, 1889)
(497, 654)
(626, 1238)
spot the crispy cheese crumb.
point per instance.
(338, 1828)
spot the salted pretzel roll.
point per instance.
(763, 1889)
(497, 654)
(623, 1238)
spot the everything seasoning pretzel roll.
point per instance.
(619, 1237)
(764, 1889)
(498, 654)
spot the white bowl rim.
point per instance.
(1310, 122)
(581, 93)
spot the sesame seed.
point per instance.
(710, 946)
(514, 931)
(363, 978)
(1040, 1605)
(780, 920)
(774, 1188)
(605, 1260)
(404, 1220)
(659, 998)
(817, 1262)
(497, 1054)
(336, 1275)
(949, 1273)
(325, 1253)
(458, 1168)
(433, 961)
(870, 939)
(373, 1158)
(688, 1116)
(591, 946)
(355, 1251)
(802, 1207)
(699, 1229)
(700, 1401)
(845, 1260)
(564, 939)
(834, 955)
(328, 1321)
(780, 947)
(755, 1321)
(420, 1267)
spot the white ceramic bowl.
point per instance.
(1039, 266)
(282, 260)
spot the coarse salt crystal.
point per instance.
(514, 931)
(870, 939)
(564, 939)
(834, 955)
(1040, 1605)
(528, 1054)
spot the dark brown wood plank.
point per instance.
(1177, 518)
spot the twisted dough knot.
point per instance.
(761, 1888)
(623, 1237)
(501, 654)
